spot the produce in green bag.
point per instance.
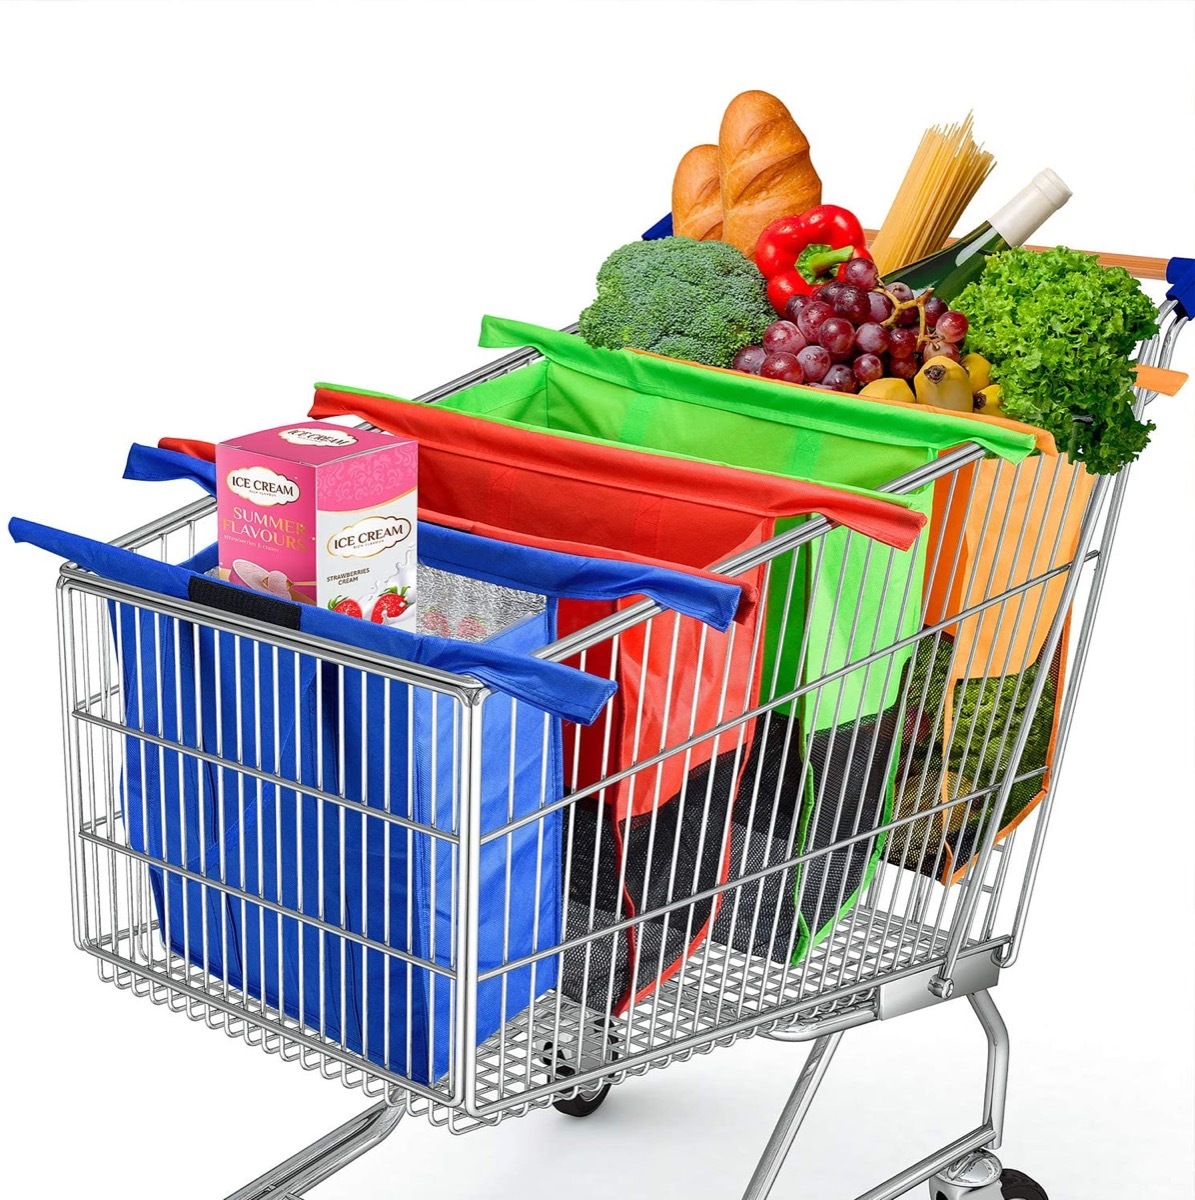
(944, 383)
(701, 301)
(1059, 330)
(852, 332)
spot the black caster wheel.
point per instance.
(585, 1101)
(582, 1105)
(1016, 1185)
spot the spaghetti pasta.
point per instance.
(941, 181)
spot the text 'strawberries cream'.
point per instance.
(323, 515)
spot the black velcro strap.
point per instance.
(245, 603)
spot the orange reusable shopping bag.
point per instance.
(994, 527)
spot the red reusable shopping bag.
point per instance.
(675, 511)
(669, 828)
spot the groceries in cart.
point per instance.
(974, 326)
(683, 677)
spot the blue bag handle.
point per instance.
(1180, 274)
(157, 466)
(714, 602)
(556, 689)
(661, 229)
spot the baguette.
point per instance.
(697, 195)
(764, 167)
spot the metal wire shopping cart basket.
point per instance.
(931, 906)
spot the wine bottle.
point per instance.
(951, 269)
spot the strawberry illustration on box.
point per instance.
(390, 606)
(322, 515)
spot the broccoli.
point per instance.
(679, 297)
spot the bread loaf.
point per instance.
(697, 195)
(764, 167)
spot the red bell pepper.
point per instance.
(798, 254)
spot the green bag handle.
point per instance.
(828, 412)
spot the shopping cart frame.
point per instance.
(965, 1167)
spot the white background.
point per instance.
(203, 209)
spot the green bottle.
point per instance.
(951, 269)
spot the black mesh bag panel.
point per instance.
(759, 917)
(842, 794)
(851, 797)
(683, 855)
(670, 854)
(596, 973)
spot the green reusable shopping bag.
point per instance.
(829, 605)
(851, 597)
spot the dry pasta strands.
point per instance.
(943, 177)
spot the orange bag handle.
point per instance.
(1160, 379)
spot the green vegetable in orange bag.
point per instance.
(1060, 330)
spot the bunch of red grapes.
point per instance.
(842, 335)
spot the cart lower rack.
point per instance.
(816, 877)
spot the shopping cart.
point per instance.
(929, 924)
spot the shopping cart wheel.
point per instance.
(1016, 1185)
(587, 1100)
(583, 1103)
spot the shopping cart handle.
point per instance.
(1180, 274)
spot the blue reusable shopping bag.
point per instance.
(380, 745)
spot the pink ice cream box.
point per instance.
(323, 515)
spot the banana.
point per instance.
(979, 369)
(889, 388)
(943, 383)
(990, 401)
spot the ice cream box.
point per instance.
(322, 514)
